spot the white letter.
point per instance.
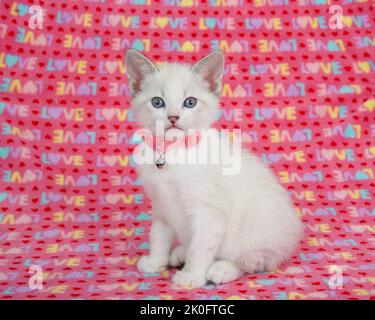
(335, 21)
(36, 280)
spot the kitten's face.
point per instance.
(181, 97)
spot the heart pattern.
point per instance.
(70, 200)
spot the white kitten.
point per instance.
(225, 225)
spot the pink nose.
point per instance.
(173, 119)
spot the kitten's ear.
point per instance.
(211, 68)
(137, 67)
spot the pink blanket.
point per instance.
(71, 206)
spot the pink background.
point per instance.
(70, 200)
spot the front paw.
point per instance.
(188, 280)
(150, 265)
(177, 257)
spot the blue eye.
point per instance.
(157, 102)
(190, 102)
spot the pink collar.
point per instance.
(185, 141)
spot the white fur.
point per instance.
(225, 224)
